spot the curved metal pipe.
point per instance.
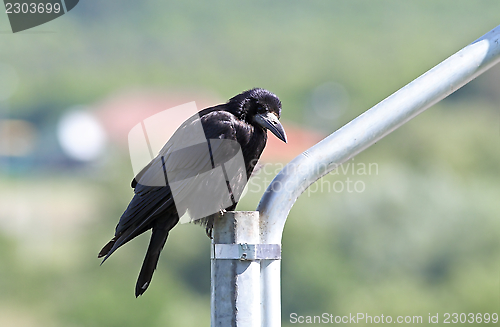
(370, 127)
(353, 138)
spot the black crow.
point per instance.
(169, 186)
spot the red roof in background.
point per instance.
(123, 110)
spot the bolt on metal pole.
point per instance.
(356, 136)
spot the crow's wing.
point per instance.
(183, 167)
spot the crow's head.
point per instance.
(260, 108)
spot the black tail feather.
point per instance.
(105, 250)
(158, 239)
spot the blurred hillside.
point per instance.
(416, 231)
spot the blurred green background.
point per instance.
(422, 237)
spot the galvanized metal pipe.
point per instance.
(353, 138)
(235, 288)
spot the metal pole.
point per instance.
(235, 281)
(236, 257)
(353, 138)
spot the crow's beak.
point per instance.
(270, 121)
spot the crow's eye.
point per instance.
(261, 109)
